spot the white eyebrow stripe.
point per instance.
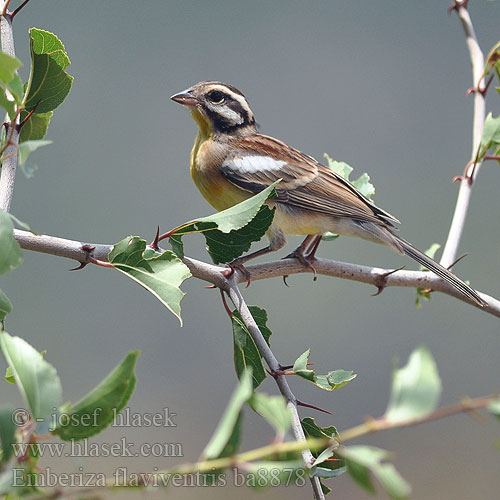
(250, 164)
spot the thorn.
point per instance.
(456, 4)
(457, 178)
(154, 243)
(27, 117)
(381, 280)
(210, 287)
(427, 290)
(81, 266)
(18, 9)
(288, 367)
(306, 405)
(226, 307)
(457, 261)
(285, 276)
(272, 373)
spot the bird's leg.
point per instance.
(310, 244)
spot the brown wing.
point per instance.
(259, 160)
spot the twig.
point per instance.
(9, 164)
(212, 274)
(16, 11)
(247, 318)
(477, 60)
(381, 424)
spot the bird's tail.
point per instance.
(438, 269)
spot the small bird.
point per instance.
(231, 161)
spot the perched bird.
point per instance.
(231, 161)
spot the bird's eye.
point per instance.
(216, 97)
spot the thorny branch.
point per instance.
(465, 191)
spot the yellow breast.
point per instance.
(207, 157)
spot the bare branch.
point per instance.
(212, 274)
(9, 165)
(464, 194)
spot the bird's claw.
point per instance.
(305, 260)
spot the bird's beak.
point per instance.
(186, 98)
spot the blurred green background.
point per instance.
(380, 85)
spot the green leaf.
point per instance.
(491, 134)
(5, 305)
(28, 147)
(313, 430)
(273, 409)
(7, 434)
(246, 353)
(36, 127)
(230, 419)
(98, 408)
(9, 377)
(8, 68)
(340, 167)
(327, 469)
(330, 382)
(10, 251)
(363, 184)
(328, 236)
(49, 84)
(230, 233)
(8, 105)
(361, 460)
(416, 388)
(494, 407)
(160, 274)
(36, 379)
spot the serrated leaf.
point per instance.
(36, 379)
(246, 353)
(364, 186)
(5, 305)
(7, 434)
(231, 417)
(330, 382)
(363, 460)
(313, 430)
(36, 127)
(49, 84)
(273, 409)
(416, 388)
(160, 274)
(28, 147)
(491, 134)
(98, 408)
(10, 251)
(229, 233)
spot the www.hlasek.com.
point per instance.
(45, 478)
(84, 448)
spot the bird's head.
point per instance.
(218, 108)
